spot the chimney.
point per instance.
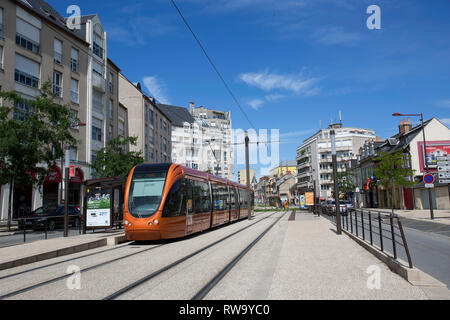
(405, 126)
(191, 107)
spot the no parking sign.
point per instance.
(428, 179)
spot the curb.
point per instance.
(107, 241)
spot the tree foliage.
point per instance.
(34, 137)
(391, 168)
(113, 161)
(345, 181)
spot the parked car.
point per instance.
(343, 205)
(52, 218)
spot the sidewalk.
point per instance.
(47, 249)
(316, 263)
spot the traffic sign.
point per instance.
(444, 180)
(444, 175)
(429, 185)
(428, 178)
(446, 158)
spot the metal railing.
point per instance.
(29, 225)
(383, 230)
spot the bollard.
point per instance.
(370, 228)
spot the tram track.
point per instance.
(160, 271)
(108, 262)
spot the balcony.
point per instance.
(26, 79)
(98, 81)
(74, 96)
(303, 165)
(98, 50)
(27, 43)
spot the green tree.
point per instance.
(392, 170)
(32, 135)
(113, 161)
(345, 181)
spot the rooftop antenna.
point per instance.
(320, 124)
(340, 116)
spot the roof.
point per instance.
(49, 14)
(401, 141)
(178, 115)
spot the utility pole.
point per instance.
(247, 167)
(335, 177)
(66, 203)
(430, 199)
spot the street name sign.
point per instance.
(429, 185)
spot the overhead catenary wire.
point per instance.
(212, 64)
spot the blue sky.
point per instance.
(291, 63)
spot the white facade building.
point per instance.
(202, 139)
(314, 161)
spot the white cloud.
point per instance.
(271, 81)
(156, 88)
(444, 103)
(298, 133)
(335, 35)
(274, 97)
(255, 103)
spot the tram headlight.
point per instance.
(156, 221)
(150, 223)
(126, 222)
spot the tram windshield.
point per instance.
(145, 193)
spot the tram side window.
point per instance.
(216, 196)
(201, 197)
(189, 196)
(228, 202)
(236, 198)
(175, 203)
(241, 198)
(220, 194)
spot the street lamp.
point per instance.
(424, 153)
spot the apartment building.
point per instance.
(147, 122)
(242, 176)
(283, 168)
(220, 136)
(35, 47)
(202, 139)
(314, 161)
(102, 88)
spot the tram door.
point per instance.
(189, 207)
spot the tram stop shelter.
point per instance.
(103, 203)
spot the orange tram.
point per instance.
(165, 201)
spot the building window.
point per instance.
(74, 64)
(150, 136)
(97, 124)
(150, 116)
(21, 110)
(1, 23)
(27, 36)
(122, 128)
(57, 84)
(57, 51)
(26, 71)
(111, 85)
(1, 57)
(111, 109)
(98, 46)
(74, 96)
(97, 101)
(110, 132)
